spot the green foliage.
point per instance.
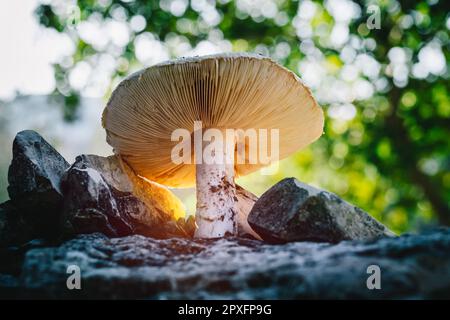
(392, 156)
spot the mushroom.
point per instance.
(226, 91)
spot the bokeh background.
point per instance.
(384, 90)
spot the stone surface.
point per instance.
(99, 196)
(34, 182)
(294, 211)
(50, 198)
(412, 267)
(14, 228)
(245, 202)
(36, 167)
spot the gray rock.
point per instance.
(14, 229)
(245, 202)
(99, 197)
(294, 211)
(34, 182)
(36, 167)
(412, 267)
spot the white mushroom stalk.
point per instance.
(216, 214)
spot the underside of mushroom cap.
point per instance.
(227, 91)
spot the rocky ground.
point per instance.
(127, 240)
(412, 267)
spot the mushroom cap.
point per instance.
(232, 91)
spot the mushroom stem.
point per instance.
(216, 200)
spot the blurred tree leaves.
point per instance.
(387, 151)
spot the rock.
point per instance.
(412, 267)
(34, 182)
(245, 203)
(188, 225)
(14, 229)
(294, 211)
(36, 167)
(12, 257)
(103, 195)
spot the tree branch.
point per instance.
(404, 146)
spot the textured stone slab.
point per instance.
(411, 266)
